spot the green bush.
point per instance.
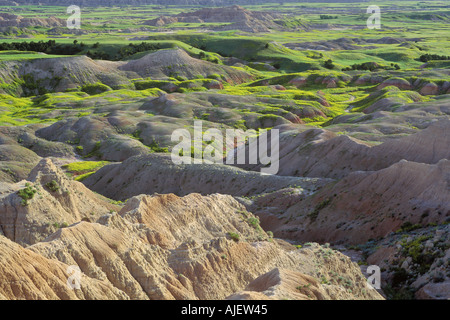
(234, 236)
(254, 222)
(149, 84)
(95, 88)
(408, 226)
(329, 64)
(319, 207)
(95, 151)
(52, 186)
(154, 145)
(26, 194)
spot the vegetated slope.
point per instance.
(349, 43)
(33, 209)
(391, 118)
(389, 82)
(415, 260)
(96, 136)
(176, 62)
(251, 111)
(39, 76)
(15, 161)
(74, 71)
(157, 173)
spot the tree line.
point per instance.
(94, 51)
(49, 47)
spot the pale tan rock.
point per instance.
(27, 275)
(47, 210)
(167, 247)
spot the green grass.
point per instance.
(108, 28)
(83, 169)
(11, 55)
(95, 88)
(393, 93)
(16, 111)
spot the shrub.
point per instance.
(329, 64)
(154, 145)
(234, 236)
(277, 65)
(52, 186)
(408, 226)
(58, 225)
(26, 194)
(319, 207)
(254, 222)
(95, 151)
(150, 84)
(327, 17)
(214, 76)
(427, 57)
(95, 88)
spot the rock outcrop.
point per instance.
(11, 20)
(420, 255)
(32, 210)
(166, 247)
(238, 17)
(156, 173)
(163, 63)
(283, 284)
(322, 153)
(156, 247)
(26, 275)
(371, 205)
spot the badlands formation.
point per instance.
(87, 179)
(156, 247)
